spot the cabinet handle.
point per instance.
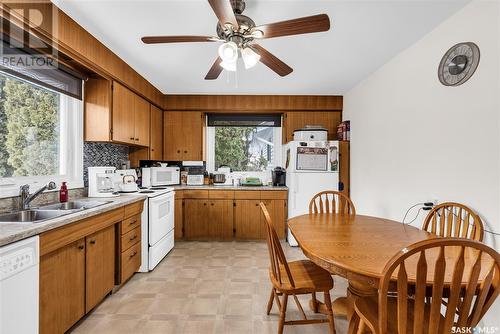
(205, 204)
(80, 247)
(152, 150)
(133, 238)
(185, 151)
(137, 139)
(212, 204)
(131, 138)
(133, 254)
(92, 242)
(133, 222)
(256, 204)
(178, 151)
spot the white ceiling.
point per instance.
(363, 36)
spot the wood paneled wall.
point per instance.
(75, 42)
(254, 103)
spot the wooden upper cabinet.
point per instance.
(142, 123)
(183, 134)
(115, 113)
(62, 288)
(294, 120)
(123, 114)
(156, 143)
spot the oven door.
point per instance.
(165, 176)
(161, 216)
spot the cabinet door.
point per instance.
(156, 128)
(100, 266)
(178, 219)
(172, 135)
(277, 211)
(62, 288)
(196, 219)
(191, 131)
(247, 220)
(142, 114)
(123, 114)
(220, 220)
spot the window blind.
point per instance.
(244, 120)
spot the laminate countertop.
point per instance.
(235, 188)
(12, 232)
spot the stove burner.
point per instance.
(146, 191)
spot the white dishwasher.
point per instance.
(19, 270)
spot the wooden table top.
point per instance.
(358, 247)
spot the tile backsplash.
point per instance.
(102, 154)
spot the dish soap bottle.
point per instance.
(63, 193)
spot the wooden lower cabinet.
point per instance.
(247, 219)
(220, 219)
(78, 265)
(62, 288)
(99, 266)
(196, 219)
(278, 212)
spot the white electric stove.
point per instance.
(157, 224)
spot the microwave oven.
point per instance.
(161, 176)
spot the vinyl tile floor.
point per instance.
(204, 287)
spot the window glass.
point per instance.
(29, 129)
(244, 148)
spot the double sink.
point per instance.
(48, 211)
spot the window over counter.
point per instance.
(41, 123)
(250, 144)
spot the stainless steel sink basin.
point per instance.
(31, 216)
(73, 205)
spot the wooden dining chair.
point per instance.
(331, 202)
(454, 220)
(465, 272)
(294, 278)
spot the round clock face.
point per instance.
(458, 64)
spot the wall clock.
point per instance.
(458, 64)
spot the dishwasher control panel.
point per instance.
(17, 257)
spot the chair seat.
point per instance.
(367, 309)
(307, 276)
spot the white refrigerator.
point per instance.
(311, 167)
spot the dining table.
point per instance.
(355, 247)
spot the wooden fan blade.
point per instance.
(271, 61)
(215, 70)
(224, 12)
(177, 39)
(303, 25)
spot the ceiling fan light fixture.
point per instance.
(228, 52)
(228, 65)
(250, 57)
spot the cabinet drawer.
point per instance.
(274, 194)
(130, 238)
(247, 194)
(195, 193)
(134, 209)
(129, 224)
(221, 194)
(130, 261)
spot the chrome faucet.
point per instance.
(26, 198)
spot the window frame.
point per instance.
(210, 152)
(70, 150)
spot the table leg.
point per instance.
(344, 306)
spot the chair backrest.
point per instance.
(454, 220)
(331, 202)
(465, 272)
(276, 254)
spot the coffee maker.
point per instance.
(101, 182)
(279, 177)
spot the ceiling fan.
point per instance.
(239, 34)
